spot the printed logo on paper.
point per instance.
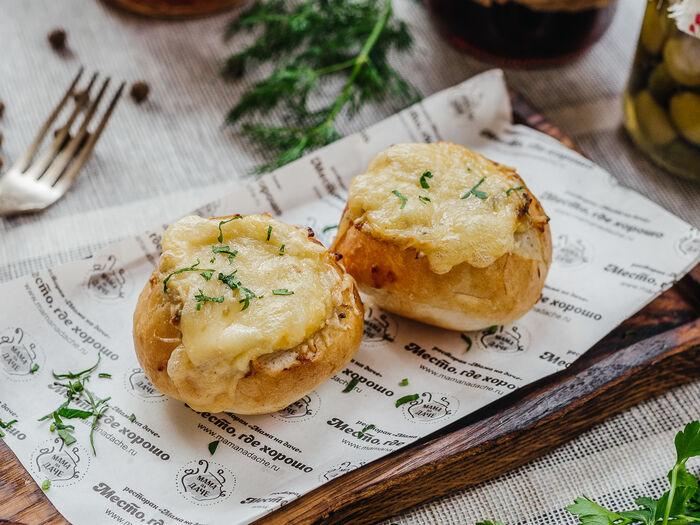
(379, 326)
(510, 339)
(19, 354)
(62, 464)
(571, 251)
(339, 470)
(204, 482)
(272, 500)
(301, 410)
(689, 245)
(107, 281)
(138, 384)
(431, 407)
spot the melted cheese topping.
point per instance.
(449, 230)
(220, 339)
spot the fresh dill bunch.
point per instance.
(309, 42)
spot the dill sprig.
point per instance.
(311, 42)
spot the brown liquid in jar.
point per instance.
(515, 35)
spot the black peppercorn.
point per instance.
(2, 108)
(139, 91)
(57, 39)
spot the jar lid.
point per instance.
(552, 5)
(686, 13)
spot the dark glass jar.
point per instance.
(523, 33)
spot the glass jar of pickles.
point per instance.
(662, 100)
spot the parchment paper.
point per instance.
(614, 251)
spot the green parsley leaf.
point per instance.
(225, 250)
(282, 291)
(104, 375)
(282, 250)
(406, 399)
(73, 413)
(475, 192)
(66, 436)
(688, 442)
(2, 434)
(193, 268)
(132, 417)
(200, 298)
(269, 232)
(467, 340)
(206, 275)
(78, 375)
(220, 238)
(213, 259)
(247, 296)
(230, 280)
(329, 228)
(46, 485)
(514, 189)
(34, 368)
(8, 424)
(351, 385)
(492, 329)
(401, 197)
(424, 200)
(424, 183)
(366, 429)
(212, 447)
(404, 382)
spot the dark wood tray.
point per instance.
(653, 351)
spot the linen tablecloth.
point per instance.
(158, 160)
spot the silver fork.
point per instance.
(33, 186)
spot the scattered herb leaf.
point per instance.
(492, 329)
(247, 296)
(213, 259)
(132, 417)
(329, 228)
(220, 238)
(46, 484)
(475, 192)
(192, 268)
(282, 250)
(423, 199)
(201, 298)
(104, 375)
(73, 413)
(71, 375)
(401, 197)
(404, 382)
(467, 340)
(514, 189)
(8, 424)
(225, 250)
(366, 429)
(424, 183)
(206, 275)
(351, 385)
(269, 232)
(406, 399)
(212, 447)
(34, 368)
(282, 291)
(66, 436)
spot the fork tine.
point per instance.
(42, 162)
(62, 160)
(71, 173)
(24, 160)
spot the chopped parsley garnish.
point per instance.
(269, 232)
(230, 280)
(6, 425)
(282, 250)
(73, 413)
(514, 189)
(401, 197)
(477, 193)
(467, 340)
(206, 275)
(226, 251)
(282, 291)
(351, 385)
(46, 485)
(329, 228)
(192, 268)
(366, 429)
(213, 259)
(423, 199)
(424, 183)
(104, 375)
(406, 399)
(220, 238)
(78, 375)
(212, 447)
(247, 296)
(132, 417)
(492, 329)
(34, 368)
(404, 382)
(201, 298)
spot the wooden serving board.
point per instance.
(653, 351)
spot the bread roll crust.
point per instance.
(400, 279)
(275, 379)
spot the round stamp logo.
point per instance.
(204, 482)
(511, 339)
(431, 407)
(689, 245)
(339, 470)
(19, 355)
(379, 326)
(62, 464)
(108, 281)
(138, 384)
(301, 410)
(571, 252)
(272, 500)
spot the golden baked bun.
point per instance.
(245, 314)
(440, 234)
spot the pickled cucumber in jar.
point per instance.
(685, 115)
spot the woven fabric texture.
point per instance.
(172, 153)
